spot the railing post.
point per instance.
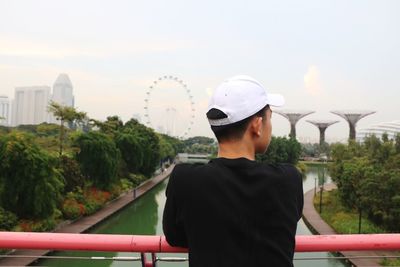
(146, 263)
(154, 259)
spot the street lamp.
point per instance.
(315, 186)
(321, 189)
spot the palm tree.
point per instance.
(65, 114)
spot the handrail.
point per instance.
(155, 244)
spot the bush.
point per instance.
(84, 202)
(37, 225)
(7, 220)
(95, 199)
(72, 209)
(115, 191)
(137, 179)
(126, 184)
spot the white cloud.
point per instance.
(312, 82)
(209, 91)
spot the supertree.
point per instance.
(352, 117)
(293, 116)
(322, 125)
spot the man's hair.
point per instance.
(234, 131)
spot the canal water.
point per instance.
(144, 217)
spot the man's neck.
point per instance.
(236, 149)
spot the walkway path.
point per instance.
(85, 223)
(319, 226)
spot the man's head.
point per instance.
(240, 106)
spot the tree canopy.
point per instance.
(98, 157)
(65, 114)
(282, 150)
(368, 178)
(31, 185)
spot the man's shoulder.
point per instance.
(292, 173)
(187, 170)
(187, 167)
(281, 168)
(286, 171)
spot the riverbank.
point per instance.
(318, 226)
(84, 224)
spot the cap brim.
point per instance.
(275, 100)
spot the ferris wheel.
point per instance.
(178, 84)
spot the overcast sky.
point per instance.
(321, 55)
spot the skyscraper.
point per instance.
(4, 110)
(62, 91)
(30, 105)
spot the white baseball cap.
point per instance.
(240, 97)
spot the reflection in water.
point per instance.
(315, 174)
(321, 176)
(140, 218)
(145, 217)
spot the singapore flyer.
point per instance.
(169, 106)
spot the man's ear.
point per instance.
(256, 126)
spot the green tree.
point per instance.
(199, 140)
(7, 220)
(282, 150)
(167, 150)
(200, 145)
(72, 174)
(150, 146)
(65, 114)
(98, 158)
(368, 178)
(47, 129)
(397, 143)
(111, 126)
(31, 183)
(176, 143)
(131, 149)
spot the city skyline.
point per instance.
(321, 56)
(30, 103)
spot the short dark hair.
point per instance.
(235, 130)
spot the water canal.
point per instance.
(144, 218)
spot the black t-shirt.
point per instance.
(234, 212)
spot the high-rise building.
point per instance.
(4, 110)
(62, 91)
(30, 105)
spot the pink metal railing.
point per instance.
(141, 243)
(156, 244)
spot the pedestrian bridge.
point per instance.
(151, 245)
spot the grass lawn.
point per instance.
(315, 163)
(345, 221)
(342, 220)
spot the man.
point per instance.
(235, 211)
